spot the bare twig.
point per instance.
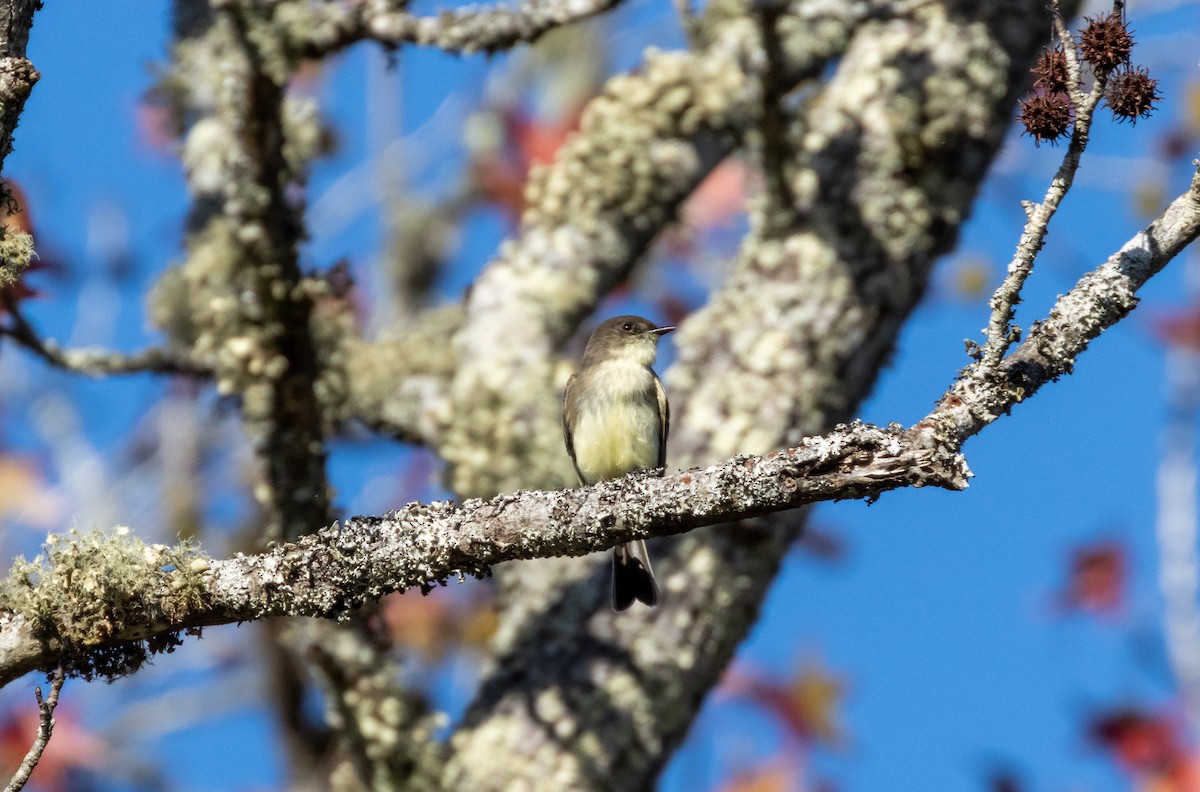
(1099, 300)
(45, 727)
(1000, 331)
(92, 361)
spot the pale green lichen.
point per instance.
(16, 251)
(87, 591)
(600, 169)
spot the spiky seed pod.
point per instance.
(1046, 117)
(1106, 43)
(1050, 71)
(1131, 94)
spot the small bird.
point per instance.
(615, 421)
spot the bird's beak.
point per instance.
(661, 331)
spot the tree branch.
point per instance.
(340, 568)
(1099, 300)
(45, 728)
(17, 75)
(797, 336)
(316, 31)
(1000, 332)
(93, 361)
(343, 567)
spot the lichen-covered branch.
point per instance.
(331, 572)
(1000, 332)
(239, 301)
(17, 75)
(340, 568)
(1099, 300)
(387, 735)
(644, 144)
(317, 30)
(17, 78)
(887, 155)
(396, 386)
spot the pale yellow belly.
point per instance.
(614, 439)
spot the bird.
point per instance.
(615, 420)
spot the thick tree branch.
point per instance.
(316, 31)
(240, 301)
(886, 162)
(340, 568)
(343, 567)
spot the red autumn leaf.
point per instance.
(806, 705)
(71, 749)
(22, 220)
(1183, 777)
(538, 140)
(500, 174)
(156, 125)
(1178, 328)
(438, 625)
(1141, 742)
(711, 207)
(501, 182)
(720, 197)
(1096, 579)
(424, 624)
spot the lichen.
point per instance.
(16, 251)
(86, 591)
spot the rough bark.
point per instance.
(887, 158)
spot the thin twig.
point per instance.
(45, 727)
(1001, 333)
(1100, 299)
(93, 361)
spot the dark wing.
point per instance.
(567, 419)
(664, 423)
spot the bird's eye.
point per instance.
(627, 327)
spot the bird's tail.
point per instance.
(633, 579)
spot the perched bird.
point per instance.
(615, 421)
